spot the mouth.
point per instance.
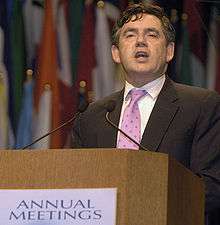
(141, 54)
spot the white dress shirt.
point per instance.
(146, 103)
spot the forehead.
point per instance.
(146, 21)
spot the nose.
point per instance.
(141, 42)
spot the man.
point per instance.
(180, 120)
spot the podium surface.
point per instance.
(153, 188)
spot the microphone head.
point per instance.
(83, 106)
(110, 106)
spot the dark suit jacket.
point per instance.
(185, 123)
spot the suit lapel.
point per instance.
(162, 115)
(107, 136)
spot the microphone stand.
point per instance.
(138, 144)
(81, 109)
(52, 131)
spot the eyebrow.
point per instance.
(146, 30)
(129, 29)
(152, 29)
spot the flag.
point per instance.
(63, 46)
(197, 41)
(43, 121)
(3, 97)
(6, 56)
(3, 113)
(113, 14)
(217, 84)
(75, 18)
(104, 76)
(65, 70)
(24, 131)
(184, 72)
(47, 77)
(18, 64)
(172, 66)
(212, 51)
(86, 60)
(6, 133)
(33, 19)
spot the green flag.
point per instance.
(76, 12)
(185, 75)
(17, 58)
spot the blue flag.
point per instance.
(24, 131)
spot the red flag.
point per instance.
(47, 73)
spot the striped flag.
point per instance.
(104, 76)
(63, 46)
(47, 77)
(65, 70)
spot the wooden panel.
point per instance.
(150, 182)
(186, 198)
(65, 169)
(141, 178)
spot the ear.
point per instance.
(170, 51)
(115, 54)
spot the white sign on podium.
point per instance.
(58, 206)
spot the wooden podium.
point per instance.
(153, 188)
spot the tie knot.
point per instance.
(136, 95)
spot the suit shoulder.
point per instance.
(195, 93)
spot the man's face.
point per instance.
(142, 49)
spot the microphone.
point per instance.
(110, 106)
(81, 109)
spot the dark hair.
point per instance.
(137, 11)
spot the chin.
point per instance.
(142, 73)
(142, 69)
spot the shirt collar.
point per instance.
(153, 88)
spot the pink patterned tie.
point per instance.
(131, 121)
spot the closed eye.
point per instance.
(130, 32)
(129, 35)
(153, 34)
